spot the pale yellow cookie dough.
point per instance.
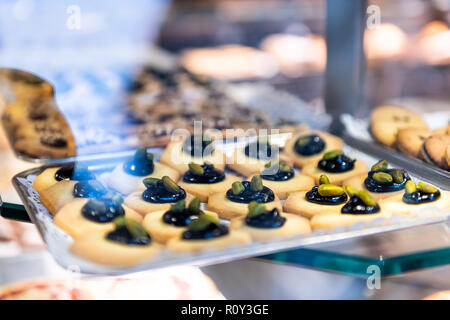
(45, 180)
(330, 220)
(358, 183)
(161, 231)
(57, 195)
(227, 209)
(204, 190)
(126, 183)
(174, 157)
(395, 205)
(313, 171)
(331, 143)
(97, 248)
(293, 226)
(282, 189)
(233, 238)
(297, 203)
(135, 202)
(247, 166)
(70, 219)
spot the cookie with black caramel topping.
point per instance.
(207, 233)
(127, 177)
(196, 149)
(283, 180)
(336, 165)
(360, 208)
(233, 202)
(82, 216)
(159, 194)
(126, 245)
(264, 224)
(205, 180)
(325, 197)
(381, 181)
(167, 224)
(310, 146)
(417, 199)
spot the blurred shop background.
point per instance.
(90, 51)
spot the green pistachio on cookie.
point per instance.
(324, 179)
(170, 185)
(397, 175)
(256, 183)
(426, 188)
(119, 221)
(202, 222)
(178, 206)
(285, 167)
(135, 228)
(303, 141)
(255, 209)
(150, 182)
(330, 190)
(380, 165)
(194, 205)
(365, 196)
(410, 187)
(382, 177)
(237, 187)
(351, 190)
(332, 154)
(196, 169)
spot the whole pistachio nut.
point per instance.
(255, 209)
(351, 190)
(380, 165)
(330, 190)
(382, 177)
(256, 183)
(397, 175)
(332, 154)
(410, 187)
(426, 188)
(196, 169)
(178, 206)
(323, 179)
(194, 205)
(170, 185)
(237, 187)
(135, 228)
(365, 196)
(150, 182)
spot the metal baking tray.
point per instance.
(58, 241)
(357, 134)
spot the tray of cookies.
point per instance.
(202, 201)
(419, 140)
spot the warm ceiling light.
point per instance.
(296, 55)
(434, 43)
(386, 41)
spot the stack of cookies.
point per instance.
(400, 128)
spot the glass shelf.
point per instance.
(395, 252)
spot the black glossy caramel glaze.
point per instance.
(374, 186)
(210, 175)
(124, 236)
(315, 145)
(85, 189)
(248, 195)
(104, 214)
(196, 146)
(279, 176)
(338, 164)
(262, 150)
(159, 194)
(356, 206)
(267, 220)
(210, 232)
(71, 173)
(314, 196)
(139, 166)
(180, 218)
(419, 197)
